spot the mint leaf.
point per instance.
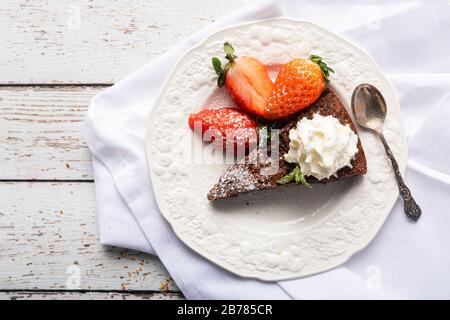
(295, 175)
(286, 179)
(300, 178)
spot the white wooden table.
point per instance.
(54, 57)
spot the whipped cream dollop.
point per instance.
(321, 146)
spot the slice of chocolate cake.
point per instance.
(251, 173)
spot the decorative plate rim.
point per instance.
(390, 201)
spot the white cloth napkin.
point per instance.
(409, 41)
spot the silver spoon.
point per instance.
(370, 109)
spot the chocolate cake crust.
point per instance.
(249, 174)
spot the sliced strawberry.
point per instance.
(246, 80)
(226, 126)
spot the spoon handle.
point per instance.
(412, 209)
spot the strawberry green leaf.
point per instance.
(229, 51)
(315, 58)
(221, 80)
(219, 71)
(222, 72)
(326, 70)
(217, 65)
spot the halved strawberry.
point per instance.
(246, 80)
(227, 126)
(299, 84)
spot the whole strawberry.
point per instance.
(246, 80)
(229, 127)
(299, 84)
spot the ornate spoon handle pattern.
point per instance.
(412, 209)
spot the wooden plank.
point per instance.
(102, 41)
(41, 132)
(49, 240)
(91, 295)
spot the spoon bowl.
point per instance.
(369, 106)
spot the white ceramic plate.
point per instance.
(288, 232)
